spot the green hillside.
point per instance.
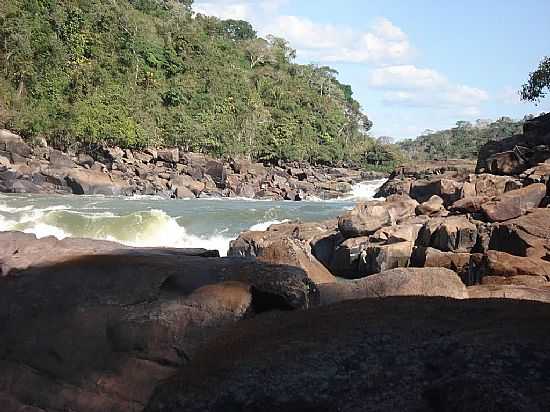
(150, 72)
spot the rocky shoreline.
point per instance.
(165, 172)
(435, 298)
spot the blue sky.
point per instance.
(417, 64)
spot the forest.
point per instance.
(136, 73)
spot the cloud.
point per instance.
(408, 85)
(381, 43)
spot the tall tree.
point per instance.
(538, 84)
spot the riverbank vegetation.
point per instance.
(138, 73)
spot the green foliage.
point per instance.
(151, 72)
(538, 84)
(460, 142)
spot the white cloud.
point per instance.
(381, 43)
(410, 86)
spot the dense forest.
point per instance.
(138, 73)
(460, 142)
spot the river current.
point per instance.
(156, 222)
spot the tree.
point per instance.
(238, 30)
(538, 84)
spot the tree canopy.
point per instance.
(151, 72)
(460, 142)
(538, 84)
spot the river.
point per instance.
(150, 221)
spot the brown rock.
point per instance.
(503, 264)
(12, 143)
(90, 182)
(345, 257)
(515, 203)
(397, 282)
(449, 234)
(515, 292)
(432, 206)
(369, 217)
(381, 257)
(469, 204)
(171, 155)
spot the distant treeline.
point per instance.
(138, 73)
(460, 142)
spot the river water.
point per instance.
(150, 221)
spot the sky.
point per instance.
(413, 64)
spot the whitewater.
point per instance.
(155, 222)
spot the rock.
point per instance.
(528, 235)
(431, 207)
(465, 264)
(143, 157)
(85, 160)
(515, 203)
(515, 292)
(449, 234)
(88, 182)
(217, 172)
(171, 155)
(469, 204)
(96, 325)
(184, 184)
(395, 354)
(397, 282)
(502, 264)
(381, 257)
(286, 244)
(12, 143)
(369, 217)
(183, 192)
(59, 160)
(344, 260)
(447, 189)
(490, 185)
(393, 187)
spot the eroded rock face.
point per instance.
(413, 354)
(113, 321)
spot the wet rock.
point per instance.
(515, 203)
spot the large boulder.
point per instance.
(285, 244)
(449, 234)
(397, 282)
(503, 264)
(515, 203)
(432, 206)
(447, 189)
(527, 235)
(95, 326)
(12, 143)
(216, 170)
(183, 184)
(381, 257)
(367, 218)
(465, 264)
(92, 182)
(170, 155)
(395, 354)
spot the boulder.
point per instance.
(59, 160)
(432, 206)
(515, 203)
(344, 260)
(448, 189)
(469, 204)
(217, 172)
(85, 160)
(394, 354)
(286, 244)
(397, 282)
(449, 234)
(394, 187)
(171, 155)
(95, 326)
(12, 143)
(90, 182)
(366, 218)
(381, 257)
(528, 235)
(465, 264)
(182, 182)
(502, 264)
